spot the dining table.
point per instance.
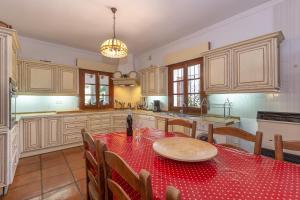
(231, 174)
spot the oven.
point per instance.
(12, 103)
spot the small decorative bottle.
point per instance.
(129, 125)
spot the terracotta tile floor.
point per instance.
(53, 176)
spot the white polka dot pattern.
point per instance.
(230, 175)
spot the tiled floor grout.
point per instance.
(42, 194)
(77, 186)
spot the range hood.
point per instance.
(130, 79)
(125, 81)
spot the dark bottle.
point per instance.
(129, 125)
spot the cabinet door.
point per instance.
(72, 129)
(32, 134)
(255, 66)
(2, 160)
(217, 72)
(13, 72)
(143, 77)
(160, 123)
(40, 78)
(52, 132)
(162, 80)
(99, 123)
(68, 80)
(151, 81)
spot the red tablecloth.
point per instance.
(230, 175)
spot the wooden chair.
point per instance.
(139, 182)
(173, 193)
(94, 169)
(236, 132)
(180, 122)
(280, 145)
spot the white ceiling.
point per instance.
(141, 24)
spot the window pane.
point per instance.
(194, 71)
(178, 100)
(90, 89)
(104, 90)
(104, 100)
(194, 100)
(178, 87)
(178, 74)
(194, 86)
(90, 100)
(90, 78)
(104, 80)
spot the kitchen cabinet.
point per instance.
(118, 122)
(99, 123)
(3, 160)
(248, 66)
(142, 121)
(72, 128)
(52, 132)
(154, 81)
(32, 134)
(160, 123)
(68, 80)
(41, 78)
(217, 71)
(14, 151)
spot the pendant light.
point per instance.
(114, 48)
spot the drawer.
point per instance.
(75, 118)
(72, 138)
(100, 130)
(99, 121)
(99, 117)
(74, 125)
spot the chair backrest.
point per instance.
(173, 193)
(239, 133)
(139, 182)
(94, 168)
(280, 145)
(184, 123)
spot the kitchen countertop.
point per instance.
(205, 118)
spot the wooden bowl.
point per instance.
(185, 149)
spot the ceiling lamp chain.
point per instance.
(114, 48)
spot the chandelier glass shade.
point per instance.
(114, 48)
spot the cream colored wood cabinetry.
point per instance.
(154, 81)
(32, 134)
(160, 123)
(99, 123)
(248, 66)
(142, 121)
(118, 122)
(72, 128)
(3, 160)
(52, 132)
(46, 79)
(217, 71)
(14, 151)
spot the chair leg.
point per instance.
(278, 147)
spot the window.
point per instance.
(96, 89)
(185, 86)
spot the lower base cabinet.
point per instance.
(32, 134)
(52, 132)
(72, 129)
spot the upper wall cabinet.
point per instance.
(39, 78)
(248, 66)
(154, 81)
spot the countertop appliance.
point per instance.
(12, 103)
(156, 106)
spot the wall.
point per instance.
(128, 94)
(46, 103)
(269, 17)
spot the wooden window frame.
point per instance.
(82, 105)
(185, 65)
